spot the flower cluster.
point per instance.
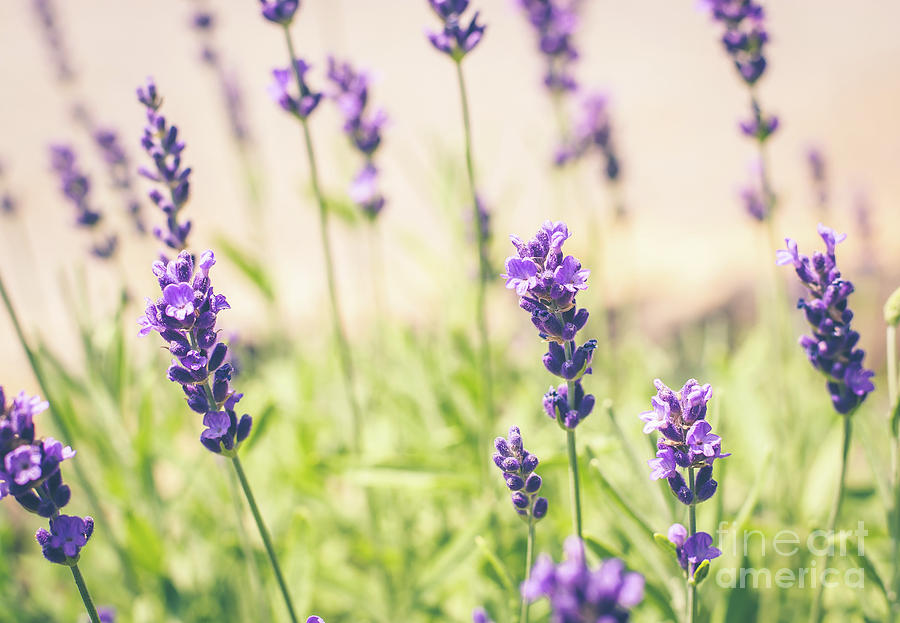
(45, 10)
(160, 141)
(547, 282)
(578, 594)
(818, 174)
(686, 440)
(185, 317)
(203, 24)
(759, 126)
(832, 346)
(518, 465)
(363, 128)
(300, 106)
(745, 35)
(692, 550)
(592, 131)
(555, 22)
(454, 39)
(279, 11)
(30, 472)
(76, 186)
(119, 167)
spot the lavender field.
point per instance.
(449, 310)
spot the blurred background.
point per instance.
(688, 270)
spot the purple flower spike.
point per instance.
(75, 187)
(279, 11)
(579, 594)
(480, 616)
(686, 440)
(302, 105)
(555, 23)
(162, 144)
(518, 465)
(745, 35)
(592, 133)
(455, 40)
(831, 348)
(185, 316)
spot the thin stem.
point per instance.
(343, 345)
(894, 514)
(574, 487)
(816, 613)
(264, 533)
(85, 595)
(692, 527)
(483, 269)
(529, 557)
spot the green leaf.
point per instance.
(503, 575)
(600, 550)
(701, 572)
(342, 208)
(249, 266)
(618, 499)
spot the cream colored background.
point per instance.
(834, 79)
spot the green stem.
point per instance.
(483, 268)
(85, 595)
(529, 558)
(894, 515)
(574, 487)
(264, 533)
(816, 613)
(692, 530)
(346, 359)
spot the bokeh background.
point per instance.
(687, 253)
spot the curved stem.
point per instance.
(264, 533)
(483, 269)
(529, 558)
(816, 613)
(85, 595)
(346, 358)
(692, 530)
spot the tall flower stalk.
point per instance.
(456, 40)
(301, 106)
(892, 319)
(30, 473)
(518, 465)
(832, 350)
(546, 282)
(686, 444)
(185, 317)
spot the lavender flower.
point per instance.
(279, 11)
(67, 535)
(754, 204)
(555, 22)
(745, 35)
(455, 40)
(160, 141)
(363, 127)
(119, 167)
(480, 616)
(592, 132)
(300, 106)
(518, 465)
(75, 186)
(185, 317)
(686, 440)
(818, 175)
(547, 282)
(30, 473)
(578, 594)
(831, 348)
(693, 550)
(759, 126)
(45, 10)
(107, 615)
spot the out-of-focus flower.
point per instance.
(455, 39)
(45, 10)
(592, 132)
(555, 22)
(745, 35)
(280, 90)
(161, 142)
(279, 11)
(579, 594)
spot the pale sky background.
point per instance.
(833, 78)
